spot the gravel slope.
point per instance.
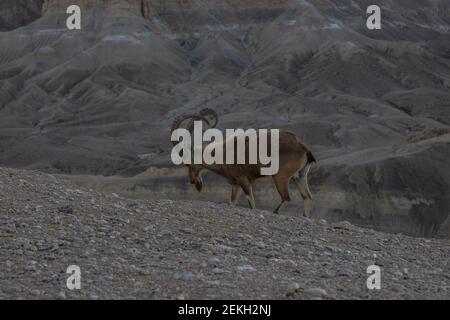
(191, 250)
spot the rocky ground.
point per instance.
(194, 250)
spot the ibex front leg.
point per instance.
(247, 187)
(236, 190)
(302, 184)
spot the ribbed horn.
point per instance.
(179, 121)
(210, 113)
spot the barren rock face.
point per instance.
(133, 6)
(101, 100)
(16, 13)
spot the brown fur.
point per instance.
(295, 161)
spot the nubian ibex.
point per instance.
(295, 160)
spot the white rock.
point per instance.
(316, 292)
(218, 271)
(343, 225)
(246, 268)
(186, 276)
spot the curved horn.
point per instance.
(179, 121)
(211, 113)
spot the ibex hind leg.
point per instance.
(248, 190)
(281, 206)
(282, 185)
(303, 186)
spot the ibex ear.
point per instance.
(199, 184)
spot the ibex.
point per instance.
(295, 159)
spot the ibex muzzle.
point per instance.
(195, 178)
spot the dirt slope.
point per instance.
(195, 250)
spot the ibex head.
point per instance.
(211, 118)
(194, 176)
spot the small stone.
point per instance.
(187, 230)
(222, 248)
(260, 244)
(51, 257)
(294, 286)
(93, 296)
(218, 271)
(316, 292)
(214, 260)
(186, 276)
(65, 210)
(246, 268)
(345, 273)
(30, 267)
(134, 252)
(213, 284)
(343, 225)
(36, 292)
(397, 288)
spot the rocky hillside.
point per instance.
(101, 100)
(17, 13)
(166, 249)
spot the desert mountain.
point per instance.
(16, 13)
(100, 100)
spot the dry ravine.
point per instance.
(134, 249)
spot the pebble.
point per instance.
(187, 230)
(93, 296)
(213, 283)
(246, 268)
(186, 276)
(214, 260)
(218, 271)
(342, 225)
(294, 286)
(222, 248)
(316, 292)
(65, 210)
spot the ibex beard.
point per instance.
(250, 147)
